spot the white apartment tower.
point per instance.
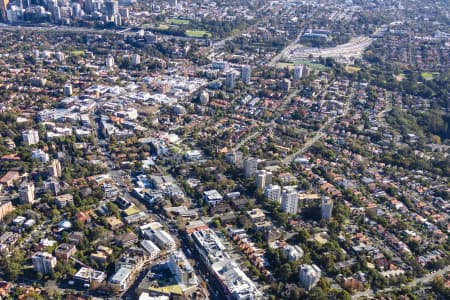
(230, 81)
(204, 98)
(246, 73)
(298, 72)
(263, 178)
(326, 208)
(289, 201)
(68, 90)
(272, 192)
(60, 56)
(26, 193)
(30, 137)
(44, 262)
(250, 167)
(309, 276)
(109, 62)
(54, 169)
(135, 59)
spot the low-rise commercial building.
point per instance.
(90, 276)
(182, 270)
(121, 279)
(235, 283)
(152, 250)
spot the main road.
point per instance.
(219, 44)
(278, 111)
(276, 58)
(58, 28)
(319, 134)
(354, 48)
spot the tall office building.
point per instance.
(111, 8)
(98, 5)
(124, 12)
(326, 208)
(14, 14)
(26, 193)
(76, 10)
(3, 9)
(109, 62)
(305, 71)
(298, 72)
(181, 268)
(44, 262)
(118, 20)
(30, 137)
(204, 98)
(289, 201)
(89, 6)
(250, 167)
(263, 178)
(135, 59)
(56, 13)
(285, 85)
(235, 158)
(272, 192)
(68, 90)
(246, 73)
(60, 57)
(25, 3)
(54, 169)
(309, 276)
(230, 81)
(6, 207)
(52, 186)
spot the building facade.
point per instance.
(230, 81)
(272, 192)
(250, 167)
(326, 208)
(54, 169)
(44, 262)
(246, 73)
(26, 193)
(289, 201)
(6, 207)
(30, 137)
(263, 178)
(309, 276)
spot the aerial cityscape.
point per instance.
(224, 149)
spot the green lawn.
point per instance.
(400, 77)
(428, 75)
(282, 65)
(311, 64)
(197, 33)
(352, 69)
(163, 27)
(77, 52)
(179, 22)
